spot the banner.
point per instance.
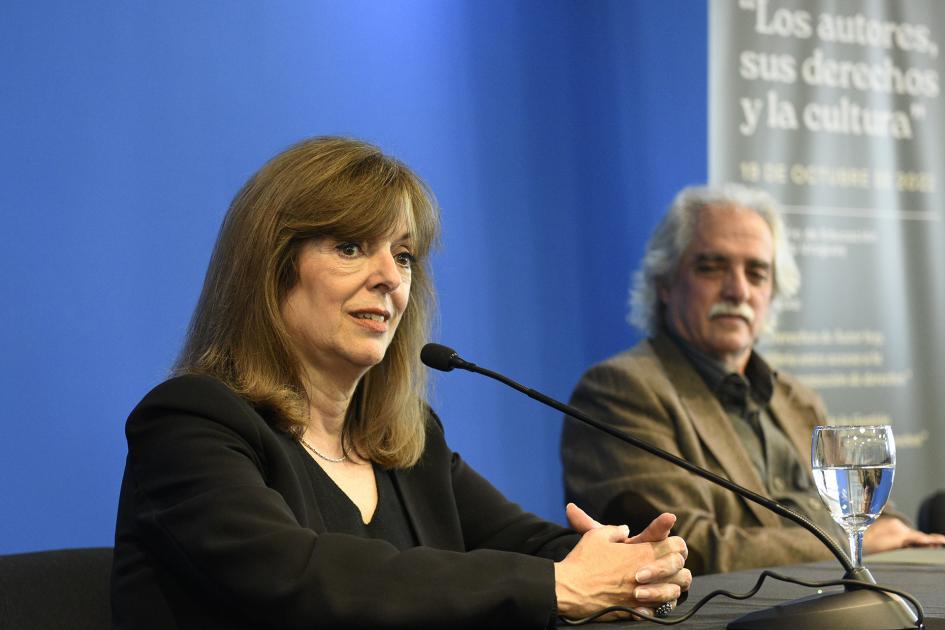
(836, 109)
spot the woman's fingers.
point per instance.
(579, 520)
(663, 569)
(657, 530)
(615, 533)
(656, 593)
(673, 544)
(681, 580)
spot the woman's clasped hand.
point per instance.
(608, 567)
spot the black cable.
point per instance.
(920, 613)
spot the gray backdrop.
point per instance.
(836, 109)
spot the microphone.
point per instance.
(441, 358)
(861, 608)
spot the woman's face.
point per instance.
(343, 311)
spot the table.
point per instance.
(918, 572)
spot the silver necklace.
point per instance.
(333, 460)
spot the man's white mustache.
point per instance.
(739, 310)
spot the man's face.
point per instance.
(719, 297)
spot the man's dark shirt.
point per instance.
(745, 399)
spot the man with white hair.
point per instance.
(710, 283)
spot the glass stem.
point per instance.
(856, 547)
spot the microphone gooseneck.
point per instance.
(443, 358)
(865, 608)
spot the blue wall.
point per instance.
(553, 133)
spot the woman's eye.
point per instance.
(348, 250)
(405, 259)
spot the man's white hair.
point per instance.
(672, 236)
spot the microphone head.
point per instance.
(438, 357)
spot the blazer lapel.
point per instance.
(713, 425)
(785, 405)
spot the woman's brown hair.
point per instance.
(325, 186)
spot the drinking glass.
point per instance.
(853, 469)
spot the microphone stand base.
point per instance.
(856, 609)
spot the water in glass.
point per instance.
(854, 468)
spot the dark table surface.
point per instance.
(920, 573)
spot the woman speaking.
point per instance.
(290, 474)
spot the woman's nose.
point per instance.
(385, 272)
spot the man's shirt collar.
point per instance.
(732, 389)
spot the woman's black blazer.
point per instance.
(218, 527)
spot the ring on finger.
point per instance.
(664, 609)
